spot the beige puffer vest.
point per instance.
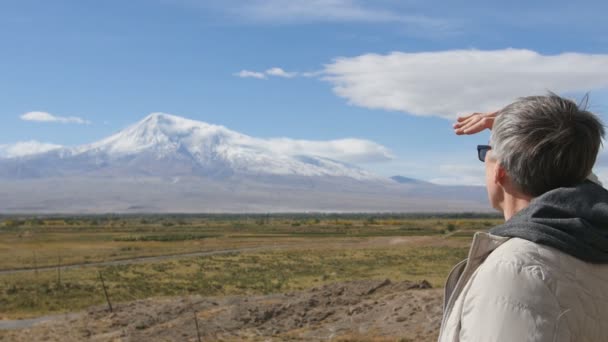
(514, 290)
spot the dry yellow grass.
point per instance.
(312, 252)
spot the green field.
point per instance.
(258, 254)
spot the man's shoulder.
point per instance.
(522, 277)
(524, 253)
(530, 262)
(519, 262)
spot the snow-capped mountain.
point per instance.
(166, 163)
(168, 145)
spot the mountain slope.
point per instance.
(167, 145)
(166, 163)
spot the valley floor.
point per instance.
(289, 277)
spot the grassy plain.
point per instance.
(277, 253)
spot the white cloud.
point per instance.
(280, 73)
(272, 72)
(26, 148)
(250, 74)
(47, 117)
(312, 74)
(347, 150)
(449, 83)
(288, 11)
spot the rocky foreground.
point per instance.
(366, 310)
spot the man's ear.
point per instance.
(500, 174)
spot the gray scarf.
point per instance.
(573, 220)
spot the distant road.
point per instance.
(139, 260)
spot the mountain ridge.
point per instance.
(165, 163)
(164, 136)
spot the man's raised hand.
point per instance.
(474, 123)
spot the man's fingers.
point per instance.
(474, 123)
(464, 118)
(476, 126)
(467, 122)
(472, 126)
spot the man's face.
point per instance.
(495, 195)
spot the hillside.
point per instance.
(166, 163)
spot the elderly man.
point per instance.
(543, 274)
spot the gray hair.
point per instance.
(546, 142)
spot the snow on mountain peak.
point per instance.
(163, 133)
(170, 122)
(166, 138)
(173, 126)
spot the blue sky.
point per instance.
(393, 72)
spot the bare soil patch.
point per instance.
(363, 310)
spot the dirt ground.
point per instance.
(366, 310)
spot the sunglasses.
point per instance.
(482, 150)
